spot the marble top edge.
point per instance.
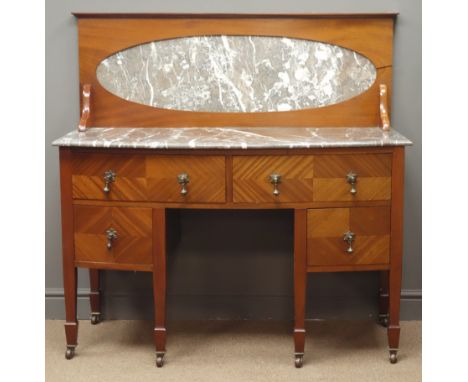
(231, 137)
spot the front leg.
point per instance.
(68, 255)
(396, 253)
(71, 323)
(95, 296)
(393, 330)
(300, 283)
(159, 283)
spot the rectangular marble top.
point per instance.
(232, 137)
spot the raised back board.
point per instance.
(106, 37)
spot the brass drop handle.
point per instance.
(111, 235)
(275, 180)
(109, 177)
(349, 237)
(183, 179)
(351, 178)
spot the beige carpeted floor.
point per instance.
(225, 351)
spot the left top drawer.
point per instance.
(109, 177)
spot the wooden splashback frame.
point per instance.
(101, 35)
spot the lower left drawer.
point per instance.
(115, 237)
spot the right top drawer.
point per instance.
(352, 177)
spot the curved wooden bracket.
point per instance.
(384, 118)
(85, 111)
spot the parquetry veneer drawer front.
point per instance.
(109, 177)
(194, 178)
(253, 182)
(113, 235)
(333, 178)
(348, 236)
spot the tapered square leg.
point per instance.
(393, 330)
(300, 283)
(95, 296)
(383, 298)
(396, 254)
(68, 253)
(159, 283)
(71, 323)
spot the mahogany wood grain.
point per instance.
(114, 266)
(94, 291)
(347, 268)
(159, 278)
(88, 176)
(141, 177)
(396, 249)
(69, 270)
(300, 278)
(251, 183)
(229, 179)
(337, 189)
(384, 118)
(85, 101)
(364, 164)
(326, 227)
(134, 235)
(101, 37)
(206, 178)
(231, 205)
(373, 177)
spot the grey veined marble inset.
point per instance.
(236, 74)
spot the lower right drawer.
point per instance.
(348, 236)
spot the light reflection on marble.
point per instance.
(236, 74)
(232, 137)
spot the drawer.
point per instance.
(252, 181)
(326, 230)
(186, 178)
(372, 182)
(132, 227)
(90, 170)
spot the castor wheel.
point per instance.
(95, 318)
(159, 359)
(393, 356)
(298, 360)
(70, 353)
(383, 320)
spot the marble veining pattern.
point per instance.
(236, 74)
(231, 137)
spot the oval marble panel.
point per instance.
(236, 74)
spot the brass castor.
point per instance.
(70, 353)
(393, 356)
(159, 359)
(383, 320)
(298, 360)
(95, 318)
